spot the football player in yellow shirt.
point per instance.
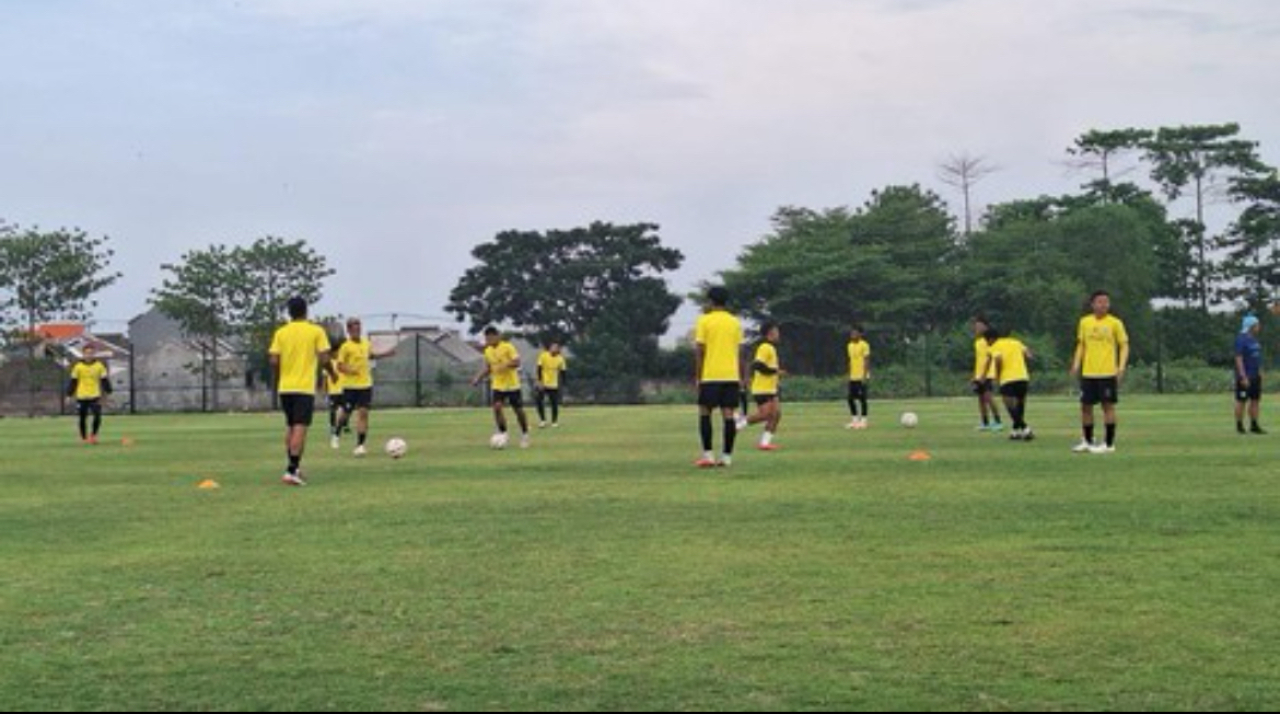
(502, 368)
(1007, 358)
(766, 387)
(859, 374)
(89, 383)
(1101, 360)
(355, 367)
(551, 368)
(984, 384)
(719, 376)
(298, 352)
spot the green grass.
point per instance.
(600, 571)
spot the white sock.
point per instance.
(767, 439)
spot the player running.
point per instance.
(765, 387)
(355, 366)
(298, 351)
(1008, 358)
(502, 368)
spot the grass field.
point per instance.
(599, 571)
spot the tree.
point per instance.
(963, 172)
(555, 285)
(221, 293)
(47, 276)
(1252, 245)
(1196, 159)
(1098, 150)
(623, 340)
(886, 264)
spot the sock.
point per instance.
(361, 439)
(730, 435)
(767, 439)
(708, 434)
(986, 421)
(295, 463)
(866, 410)
(1088, 433)
(853, 408)
(1111, 435)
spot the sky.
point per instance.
(396, 135)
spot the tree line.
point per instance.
(901, 263)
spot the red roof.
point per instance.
(61, 331)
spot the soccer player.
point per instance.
(719, 376)
(355, 366)
(859, 375)
(1101, 360)
(333, 390)
(298, 351)
(502, 368)
(984, 384)
(551, 368)
(768, 372)
(89, 383)
(1008, 360)
(1249, 375)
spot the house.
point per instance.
(177, 373)
(37, 387)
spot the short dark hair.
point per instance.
(983, 319)
(858, 328)
(1097, 294)
(297, 308)
(719, 296)
(991, 334)
(769, 327)
(491, 331)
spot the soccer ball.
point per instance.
(397, 448)
(910, 420)
(498, 442)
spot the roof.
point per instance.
(60, 331)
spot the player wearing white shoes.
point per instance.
(1101, 360)
(298, 351)
(1008, 360)
(859, 375)
(502, 368)
(355, 365)
(765, 387)
(984, 380)
(719, 375)
(551, 368)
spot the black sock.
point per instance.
(361, 439)
(1088, 433)
(986, 421)
(866, 409)
(1111, 435)
(295, 463)
(853, 408)
(730, 435)
(708, 433)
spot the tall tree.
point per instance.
(50, 275)
(556, 284)
(1196, 159)
(220, 293)
(1252, 245)
(964, 172)
(1098, 150)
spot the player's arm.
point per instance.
(1124, 361)
(867, 368)
(1078, 360)
(699, 362)
(482, 376)
(1241, 374)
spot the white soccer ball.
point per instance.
(910, 420)
(498, 442)
(397, 448)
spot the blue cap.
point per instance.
(1250, 322)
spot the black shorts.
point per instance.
(89, 404)
(983, 387)
(299, 409)
(1015, 390)
(763, 399)
(1251, 393)
(357, 399)
(1099, 391)
(857, 390)
(513, 399)
(720, 395)
(337, 401)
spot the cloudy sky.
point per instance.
(394, 135)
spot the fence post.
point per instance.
(417, 370)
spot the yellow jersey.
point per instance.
(766, 385)
(859, 360)
(720, 335)
(334, 386)
(299, 345)
(1012, 355)
(88, 378)
(1101, 341)
(354, 364)
(503, 377)
(550, 367)
(982, 368)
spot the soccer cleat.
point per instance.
(1102, 450)
(293, 480)
(852, 425)
(863, 425)
(542, 425)
(1259, 431)
(1083, 447)
(997, 427)
(1028, 435)
(93, 440)
(360, 451)
(769, 447)
(1240, 430)
(725, 462)
(1016, 435)
(335, 443)
(743, 424)
(555, 425)
(982, 428)
(705, 463)
(525, 442)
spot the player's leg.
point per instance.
(706, 431)
(853, 405)
(556, 400)
(1242, 402)
(540, 401)
(500, 412)
(1255, 406)
(83, 409)
(362, 430)
(1089, 399)
(96, 408)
